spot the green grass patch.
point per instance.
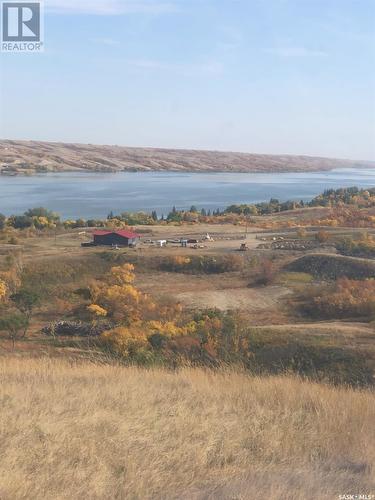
(294, 278)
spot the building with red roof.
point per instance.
(122, 238)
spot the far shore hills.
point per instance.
(31, 157)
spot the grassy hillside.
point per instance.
(130, 433)
(28, 156)
(333, 266)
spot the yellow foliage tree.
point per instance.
(11, 279)
(169, 328)
(126, 341)
(120, 298)
(116, 224)
(68, 224)
(3, 290)
(123, 275)
(124, 302)
(41, 222)
(97, 311)
(121, 302)
(180, 260)
(130, 340)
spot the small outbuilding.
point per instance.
(119, 238)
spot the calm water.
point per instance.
(86, 195)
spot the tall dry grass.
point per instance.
(104, 432)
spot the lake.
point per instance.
(94, 195)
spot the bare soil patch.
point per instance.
(248, 299)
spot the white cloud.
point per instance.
(111, 7)
(295, 52)
(189, 69)
(105, 41)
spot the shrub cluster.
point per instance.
(202, 264)
(362, 247)
(344, 299)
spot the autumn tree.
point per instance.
(97, 311)
(301, 232)
(15, 325)
(20, 221)
(265, 272)
(121, 300)
(344, 299)
(123, 275)
(3, 290)
(25, 301)
(11, 277)
(322, 236)
(128, 342)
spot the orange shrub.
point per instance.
(126, 341)
(322, 236)
(348, 298)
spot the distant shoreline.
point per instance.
(32, 157)
(181, 172)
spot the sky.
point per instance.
(258, 76)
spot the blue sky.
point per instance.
(262, 76)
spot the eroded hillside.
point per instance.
(30, 157)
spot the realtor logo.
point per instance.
(21, 27)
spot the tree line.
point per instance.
(41, 218)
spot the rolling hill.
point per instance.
(20, 157)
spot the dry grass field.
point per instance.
(72, 431)
(75, 424)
